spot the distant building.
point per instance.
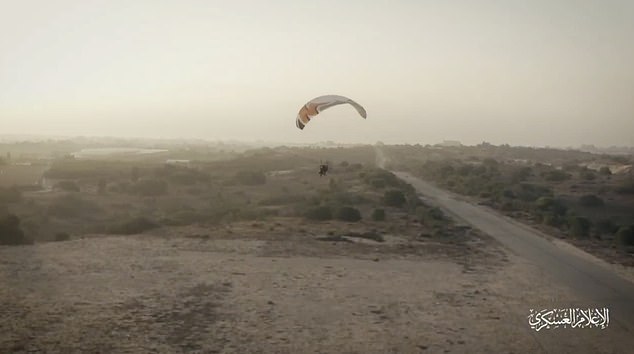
(450, 143)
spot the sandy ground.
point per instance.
(169, 293)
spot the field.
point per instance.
(252, 251)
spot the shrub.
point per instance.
(62, 236)
(378, 215)
(394, 198)
(606, 226)
(556, 175)
(550, 205)
(588, 175)
(150, 187)
(70, 206)
(134, 226)
(320, 213)
(250, 178)
(625, 188)
(544, 203)
(10, 231)
(551, 220)
(579, 226)
(282, 199)
(521, 174)
(530, 192)
(591, 200)
(377, 183)
(625, 236)
(347, 213)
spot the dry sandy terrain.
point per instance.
(188, 290)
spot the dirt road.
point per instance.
(596, 285)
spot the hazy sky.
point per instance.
(519, 72)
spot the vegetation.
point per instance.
(591, 200)
(394, 198)
(547, 186)
(320, 213)
(378, 214)
(625, 236)
(10, 231)
(71, 206)
(250, 178)
(62, 236)
(149, 187)
(347, 213)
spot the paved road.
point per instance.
(600, 286)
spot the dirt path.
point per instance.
(150, 294)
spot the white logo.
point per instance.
(573, 318)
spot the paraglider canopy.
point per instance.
(318, 104)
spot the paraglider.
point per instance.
(323, 169)
(317, 105)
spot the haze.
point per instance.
(540, 73)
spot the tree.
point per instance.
(625, 236)
(579, 226)
(378, 215)
(394, 198)
(591, 200)
(347, 213)
(10, 231)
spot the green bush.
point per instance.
(10, 231)
(606, 226)
(320, 213)
(625, 236)
(394, 198)
(551, 220)
(378, 215)
(133, 226)
(550, 205)
(579, 226)
(521, 174)
(347, 213)
(591, 200)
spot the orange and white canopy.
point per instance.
(319, 104)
